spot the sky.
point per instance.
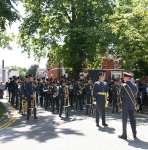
(15, 57)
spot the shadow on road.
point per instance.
(107, 129)
(47, 128)
(71, 119)
(140, 120)
(138, 143)
(41, 130)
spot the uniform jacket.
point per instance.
(100, 86)
(28, 89)
(127, 104)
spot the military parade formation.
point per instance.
(67, 96)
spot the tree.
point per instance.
(33, 70)
(130, 27)
(22, 71)
(54, 56)
(8, 14)
(79, 28)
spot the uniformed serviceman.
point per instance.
(10, 86)
(61, 98)
(128, 98)
(22, 91)
(41, 92)
(116, 95)
(29, 93)
(88, 96)
(100, 91)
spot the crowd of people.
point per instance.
(81, 95)
(54, 95)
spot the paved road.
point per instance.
(79, 132)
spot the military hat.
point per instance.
(126, 74)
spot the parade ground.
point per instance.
(78, 132)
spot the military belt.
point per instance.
(102, 93)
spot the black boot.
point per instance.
(123, 137)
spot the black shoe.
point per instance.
(97, 125)
(135, 137)
(123, 137)
(105, 125)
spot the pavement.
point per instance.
(78, 132)
(10, 116)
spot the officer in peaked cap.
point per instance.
(128, 98)
(127, 74)
(99, 92)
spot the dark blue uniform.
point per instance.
(88, 97)
(100, 89)
(128, 107)
(28, 92)
(61, 100)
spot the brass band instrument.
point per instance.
(66, 96)
(66, 101)
(33, 101)
(24, 105)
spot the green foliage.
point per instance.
(8, 14)
(77, 33)
(77, 27)
(4, 39)
(32, 70)
(22, 71)
(55, 56)
(130, 28)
